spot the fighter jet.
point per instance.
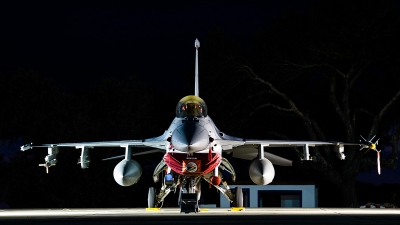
(193, 150)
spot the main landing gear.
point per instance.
(239, 197)
(151, 198)
(189, 187)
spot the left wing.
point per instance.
(249, 149)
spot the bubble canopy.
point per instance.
(191, 106)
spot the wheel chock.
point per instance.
(152, 209)
(237, 209)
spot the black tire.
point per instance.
(239, 197)
(180, 197)
(151, 198)
(198, 191)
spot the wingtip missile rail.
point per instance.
(369, 145)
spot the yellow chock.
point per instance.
(237, 209)
(152, 209)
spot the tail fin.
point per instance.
(196, 72)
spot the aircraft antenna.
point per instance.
(196, 72)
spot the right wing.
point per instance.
(160, 144)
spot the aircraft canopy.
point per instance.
(191, 106)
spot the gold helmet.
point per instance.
(191, 106)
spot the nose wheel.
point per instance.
(189, 198)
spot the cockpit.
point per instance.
(191, 106)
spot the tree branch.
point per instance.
(378, 117)
(273, 106)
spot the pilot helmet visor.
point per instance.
(191, 106)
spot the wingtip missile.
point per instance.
(369, 145)
(378, 161)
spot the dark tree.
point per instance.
(333, 70)
(330, 74)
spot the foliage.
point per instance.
(330, 74)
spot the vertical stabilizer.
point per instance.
(196, 72)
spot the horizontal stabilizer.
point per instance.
(251, 152)
(277, 160)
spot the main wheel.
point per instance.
(180, 197)
(151, 198)
(198, 190)
(239, 197)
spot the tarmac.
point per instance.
(206, 216)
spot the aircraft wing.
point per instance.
(133, 143)
(248, 149)
(291, 143)
(235, 142)
(157, 142)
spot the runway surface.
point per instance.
(219, 216)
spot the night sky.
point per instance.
(80, 44)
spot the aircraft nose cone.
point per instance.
(190, 137)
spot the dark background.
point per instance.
(89, 58)
(79, 44)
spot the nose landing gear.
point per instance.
(189, 198)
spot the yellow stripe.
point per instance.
(203, 209)
(236, 209)
(152, 209)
